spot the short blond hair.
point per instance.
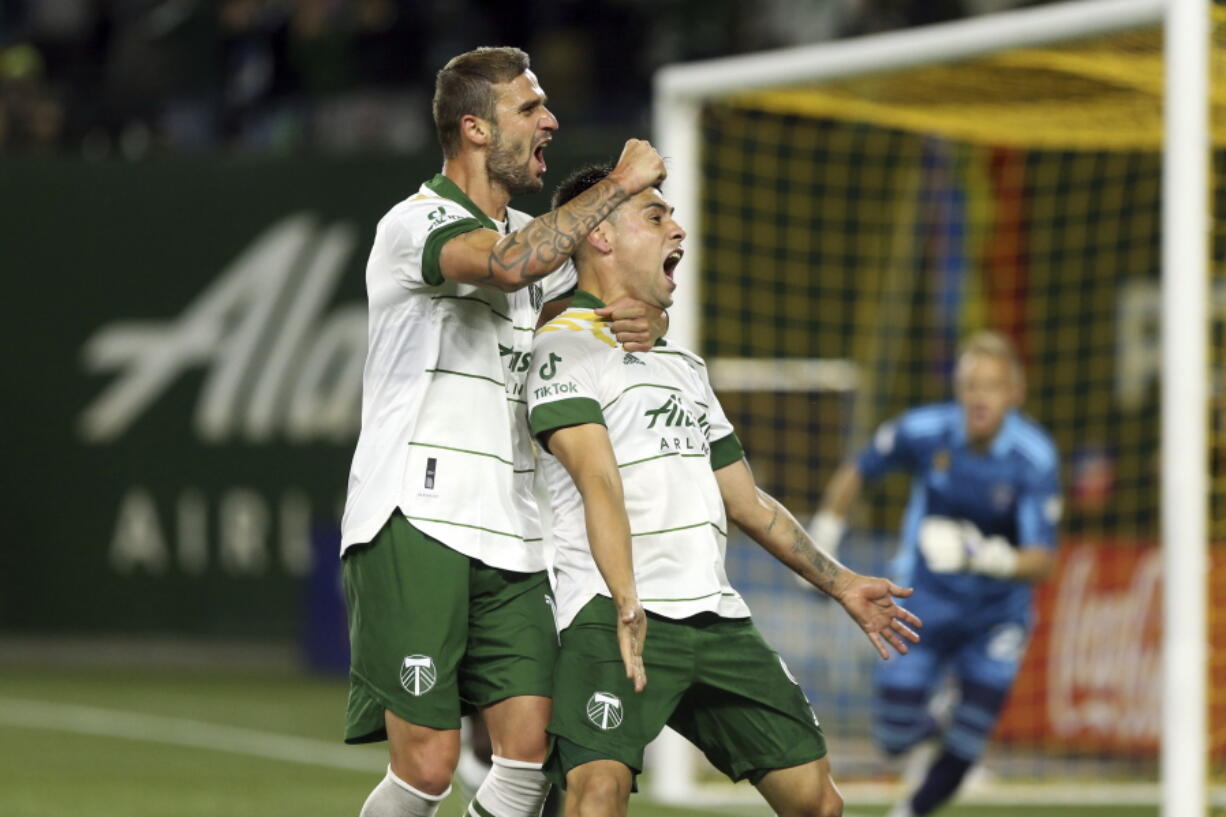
(997, 345)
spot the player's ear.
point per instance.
(600, 240)
(475, 129)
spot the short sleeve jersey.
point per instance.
(669, 435)
(444, 418)
(1011, 489)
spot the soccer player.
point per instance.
(449, 605)
(643, 469)
(979, 530)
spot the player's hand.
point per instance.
(870, 603)
(636, 325)
(631, 632)
(639, 167)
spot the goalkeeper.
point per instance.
(979, 530)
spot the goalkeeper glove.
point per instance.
(826, 529)
(951, 546)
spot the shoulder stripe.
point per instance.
(567, 322)
(1036, 447)
(926, 421)
(690, 356)
(639, 386)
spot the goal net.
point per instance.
(849, 232)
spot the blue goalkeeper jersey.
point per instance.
(1012, 490)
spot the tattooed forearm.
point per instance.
(770, 526)
(827, 569)
(540, 247)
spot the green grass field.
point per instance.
(221, 743)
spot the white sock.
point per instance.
(513, 788)
(395, 798)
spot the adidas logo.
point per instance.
(629, 358)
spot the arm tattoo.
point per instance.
(538, 248)
(827, 569)
(774, 517)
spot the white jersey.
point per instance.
(444, 418)
(669, 435)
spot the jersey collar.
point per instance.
(586, 300)
(448, 189)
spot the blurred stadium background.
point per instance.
(187, 191)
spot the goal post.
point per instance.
(1112, 84)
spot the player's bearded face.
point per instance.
(987, 388)
(509, 164)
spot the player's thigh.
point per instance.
(597, 715)
(745, 711)
(993, 657)
(512, 637)
(806, 790)
(407, 602)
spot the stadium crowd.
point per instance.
(145, 77)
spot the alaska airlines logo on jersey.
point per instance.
(519, 362)
(604, 709)
(417, 674)
(672, 415)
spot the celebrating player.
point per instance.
(979, 530)
(701, 666)
(449, 606)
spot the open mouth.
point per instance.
(539, 153)
(671, 261)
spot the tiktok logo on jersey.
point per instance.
(604, 710)
(417, 674)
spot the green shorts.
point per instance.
(434, 634)
(715, 680)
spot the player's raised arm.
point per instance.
(587, 454)
(868, 600)
(486, 258)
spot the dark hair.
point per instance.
(579, 181)
(464, 87)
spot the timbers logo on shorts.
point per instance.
(417, 674)
(605, 710)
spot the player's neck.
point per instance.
(468, 173)
(607, 287)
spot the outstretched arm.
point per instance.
(587, 454)
(868, 600)
(511, 262)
